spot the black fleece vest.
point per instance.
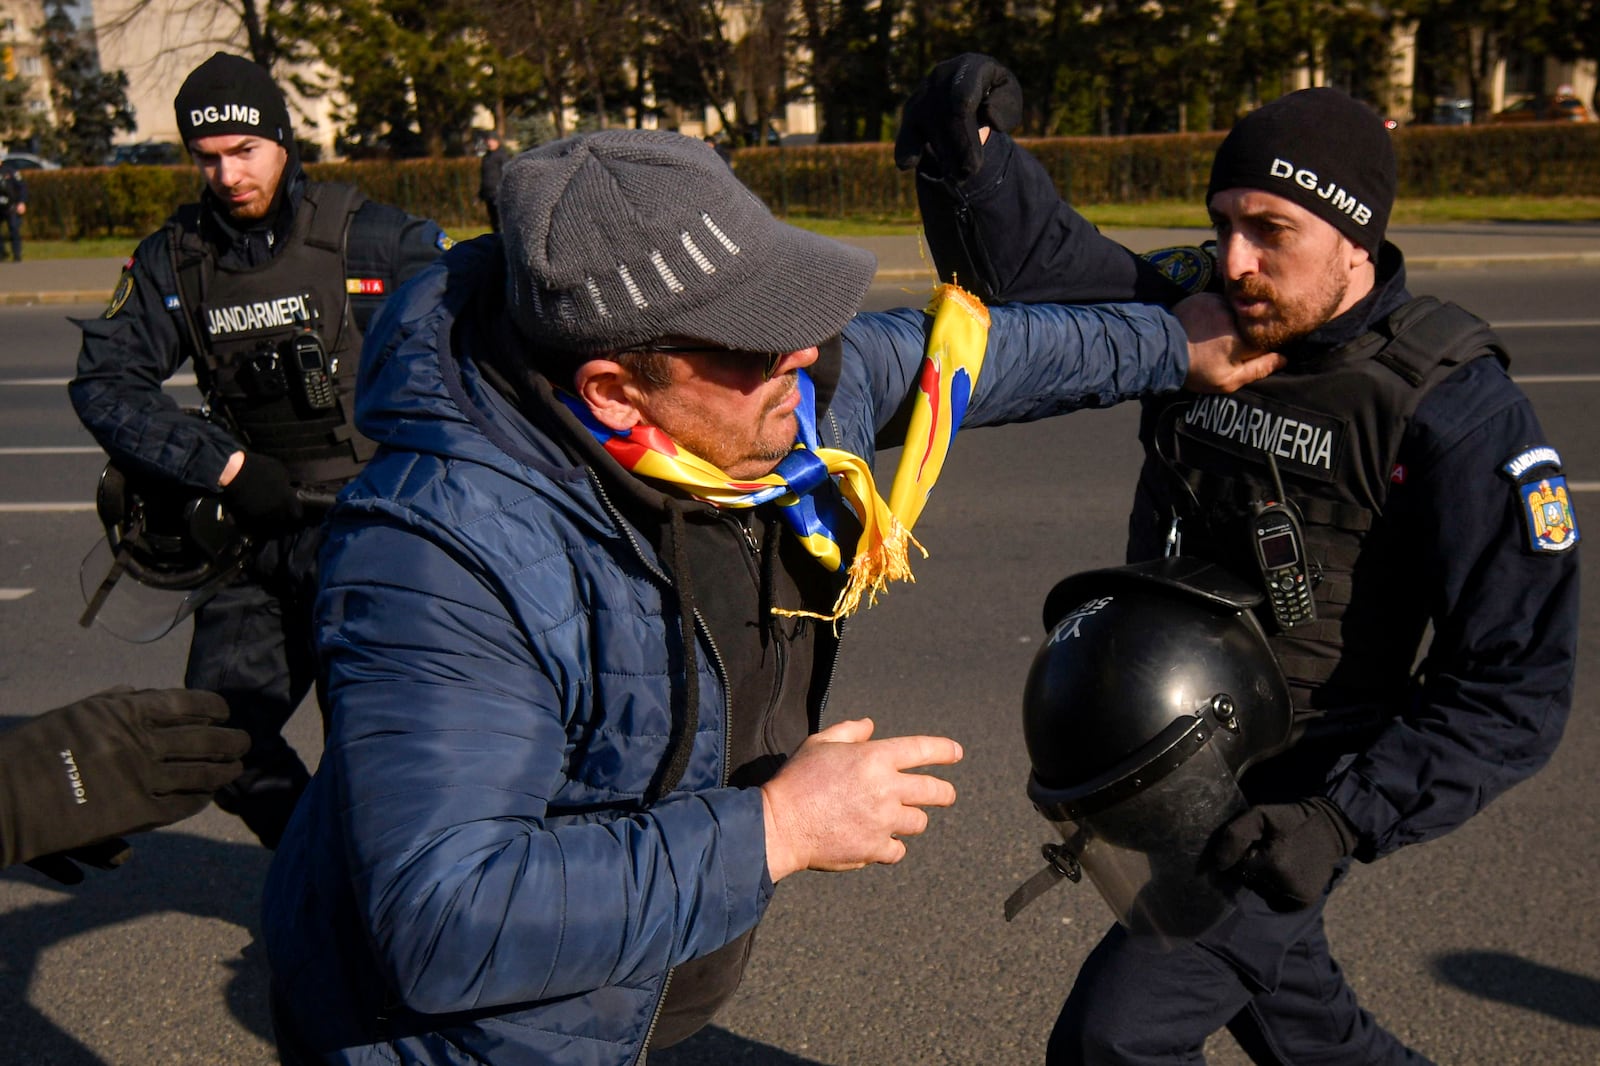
(242, 321)
(1334, 426)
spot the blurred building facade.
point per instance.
(21, 56)
(157, 42)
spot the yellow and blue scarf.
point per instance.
(956, 346)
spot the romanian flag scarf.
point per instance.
(956, 345)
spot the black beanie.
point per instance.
(230, 94)
(1319, 148)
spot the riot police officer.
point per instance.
(265, 285)
(1390, 479)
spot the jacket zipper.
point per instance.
(655, 1019)
(780, 646)
(838, 640)
(727, 697)
(727, 711)
(750, 539)
(627, 530)
(833, 671)
(700, 622)
(977, 253)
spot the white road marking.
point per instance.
(13, 594)
(1550, 323)
(46, 508)
(1554, 379)
(51, 383)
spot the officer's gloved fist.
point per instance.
(944, 113)
(262, 498)
(1285, 852)
(74, 779)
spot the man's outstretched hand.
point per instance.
(1219, 359)
(845, 800)
(74, 779)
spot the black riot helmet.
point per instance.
(177, 544)
(1154, 691)
(173, 536)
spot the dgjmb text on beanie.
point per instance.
(228, 94)
(1319, 148)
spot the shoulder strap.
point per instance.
(192, 267)
(329, 207)
(1429, 333)
(1423, 343)
(327, 210)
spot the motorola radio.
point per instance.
(313, 371)
(1280, 552)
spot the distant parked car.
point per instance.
(756, 135)
(147, 153)
(1457, 112)
(1546, 109)
(29, 161)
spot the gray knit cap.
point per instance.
(617, 238)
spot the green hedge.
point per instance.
(1532, 160)
(105, 201)
(131, 201)
(1537, 160)
(828, 181)
(860, 180)
(445, 190)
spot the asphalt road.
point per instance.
(1482, 948)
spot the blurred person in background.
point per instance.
(13, 205)
(490, 168)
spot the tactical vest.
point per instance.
(249, 326)
(1334, 427)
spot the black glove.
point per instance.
(262, 497)
(1285, 852)
(121, 761)
(944, 113)
(66, 866)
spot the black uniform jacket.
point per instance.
(140, 342)
(1491, 696)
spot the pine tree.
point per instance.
(91, 105)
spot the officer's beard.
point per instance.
(267, 207)
(1290, 317)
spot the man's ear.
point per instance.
(1359, 255)
(610, 393)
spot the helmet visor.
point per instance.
(1145, 853)
(128, 608)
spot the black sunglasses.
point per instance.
(769, 367)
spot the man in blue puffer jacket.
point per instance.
(577, 659)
